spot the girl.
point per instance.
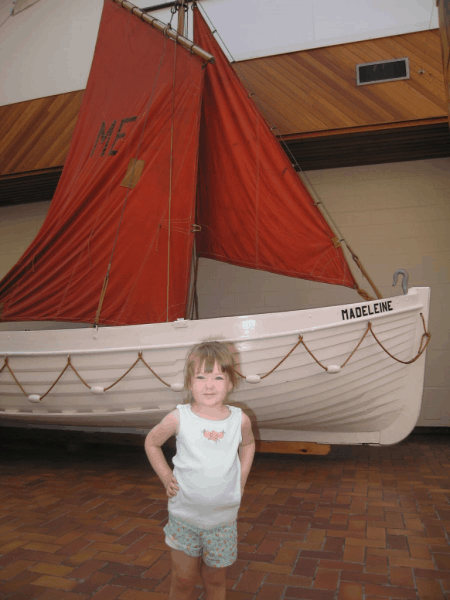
(208, 480)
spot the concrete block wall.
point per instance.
(394, 216)
(18, 228)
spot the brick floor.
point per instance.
(362, 523)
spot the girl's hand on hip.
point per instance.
(172, 487)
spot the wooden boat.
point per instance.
(115, 251)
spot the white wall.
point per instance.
(394, 216)
(252, 28)
(47, 49)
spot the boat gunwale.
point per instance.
(302, 331)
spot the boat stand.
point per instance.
(292, 447)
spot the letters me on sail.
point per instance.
(162, 143)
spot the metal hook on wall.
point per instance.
(405, 279)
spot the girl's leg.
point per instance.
(185, 574)
(213, 582)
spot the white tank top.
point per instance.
(207, 468)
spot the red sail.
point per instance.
(253, 208)
(143, 102)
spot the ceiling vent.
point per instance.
(381, 71)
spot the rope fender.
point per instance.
(424, 341)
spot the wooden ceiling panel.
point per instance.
(310, 96)
(315, 90)
(36, 135)
(266, 92)
(336, 88)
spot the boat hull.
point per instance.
(372, 399)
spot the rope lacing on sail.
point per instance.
(170, 182)
(213, 29)
(425, 339)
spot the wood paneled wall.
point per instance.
(444, 26)
(35, 135)
(303, 93)
(315, 90)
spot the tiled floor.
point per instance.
(359, 524)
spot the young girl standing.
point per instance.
(207, 483)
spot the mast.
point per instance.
(191, 310)
(182, 8)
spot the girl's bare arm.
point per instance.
(153, 442)
(246, 450)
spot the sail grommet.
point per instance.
(253, 379)
(34, 398)
(333, 369)
(97, 389)
(177, 387)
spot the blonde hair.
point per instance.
(206, 355)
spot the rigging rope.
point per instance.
(192, 311)
(170, 181)
(10, 15)
(173, 11)
(421, 70)
(213, 29)
(424, 341)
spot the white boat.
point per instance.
(351, 374)
(373, 399)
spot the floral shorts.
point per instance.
(217, 545)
